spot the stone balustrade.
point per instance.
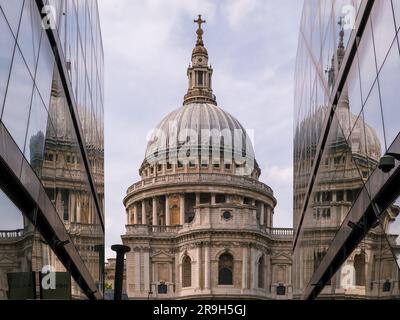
(281, 232)
(173, 230)
(215, 178)
(11, 234)
(141, 229)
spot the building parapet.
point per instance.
(11, 234)
(201, 178)
(146, 230)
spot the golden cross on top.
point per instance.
(199, 21)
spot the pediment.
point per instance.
(4, 260)
(281, 256)
(162, 255)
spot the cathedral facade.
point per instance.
(200, 223)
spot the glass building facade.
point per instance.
(51, 150)
(346, 207)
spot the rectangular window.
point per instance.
(349, 195)
(200, 78)
(339, 195)
(326, 196)
(49, 157)
(337, 160)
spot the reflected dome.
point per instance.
(361, 137)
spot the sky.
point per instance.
(252, 47)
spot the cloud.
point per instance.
(280, 178)
(239, 10)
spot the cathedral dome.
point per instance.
(202, 125)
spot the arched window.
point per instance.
(186, 272)
(225, 269)
(261, 272)
(359, 266)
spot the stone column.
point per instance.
(253, 269)
(245, 272)
(137, 270)
(182, 208)
(267, 215)
(135, 213)
(262, 214)
(70, 209)
(207, 267)
(268, 273)
(78, 209)
(146, 265)
(167, 213)
(197, 274)
(144, 218)
(128, 216)
(271, 217)
(73, 207)
(129, 273)
(90, 212)
(197, 199)
(155, 220)
(213, 199)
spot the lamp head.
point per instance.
(387, 163)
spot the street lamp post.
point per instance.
(119, 269)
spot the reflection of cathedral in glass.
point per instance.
(56, 160)
(52, 153)
(351, 154)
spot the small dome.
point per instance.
(200, 50)
(200, 125)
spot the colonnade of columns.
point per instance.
(139, 208)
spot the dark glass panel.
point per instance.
(29, 34)
(44, 74)
(36, 136)
(18, 100)
(6, 54)
(12, 10)
(389, 79)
